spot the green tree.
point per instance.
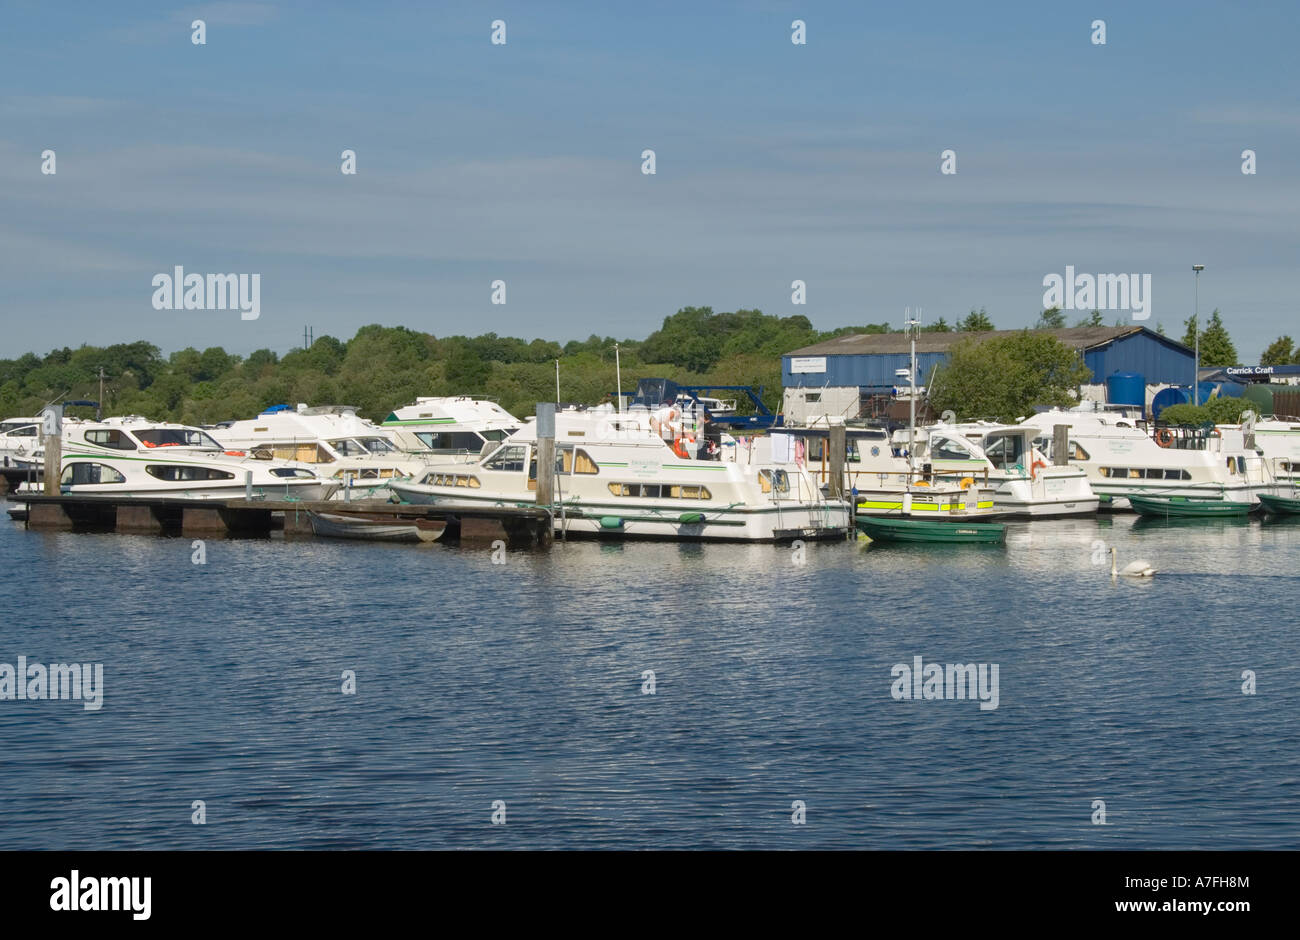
(1218, 410)
(1216, 345)
(1278, 353)
(977, 321)
(1053, 318)
(1004, 377)
(1093, 319)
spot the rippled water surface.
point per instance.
(522, 682)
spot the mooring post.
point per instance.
(248, 484)
(838, 447)
(52, 427)
(546, 469)
(1061, 444)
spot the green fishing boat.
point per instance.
(888, 529)
(1185, 508)
(1280, 505)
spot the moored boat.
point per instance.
(931, 530)
(1280, 505)
(1184, 507)
(375, 527)
(616, 476)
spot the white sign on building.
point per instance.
(807, 364)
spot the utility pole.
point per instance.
(99, 409)
(557, 381)
(618, 374)
(1196, 330)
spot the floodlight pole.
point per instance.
(1196, 331)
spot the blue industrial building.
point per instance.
(870, 360)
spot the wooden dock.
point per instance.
(516, 525)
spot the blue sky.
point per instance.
(523, 162)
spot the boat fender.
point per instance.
(611, 522)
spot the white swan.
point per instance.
(1134, 569)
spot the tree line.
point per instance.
(381, 368)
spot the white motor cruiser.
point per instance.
(133, 456)
(616, 476)
(355, 453)
(1123, 455)
(451, 428)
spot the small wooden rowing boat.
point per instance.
(1280, 505)
(888, 529)
(376, 527)
(1185, 507)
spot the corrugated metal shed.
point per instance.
(869, 360)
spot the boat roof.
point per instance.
(325, 422)
(453, 410)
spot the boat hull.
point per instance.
(688, 520)
(1182, 508)
(1280, 505)
(932, 531)
(375, 528)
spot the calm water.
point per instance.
(522, 682)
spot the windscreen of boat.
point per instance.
(18, 429)
(1006, 450)
(175, 437)
(945, 448)
(454, 441)
(362, 446)
(510, 458)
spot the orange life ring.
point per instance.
(234, 453)
(1033, 469)
(921, 483)
(679, 448)
(1164, 437)
(966, 482)
(1215, 432)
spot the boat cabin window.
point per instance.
(110, 437)
(453, 441)
(301, 453)
(1007, 451)
(368, 473)
(774, 481)
(451, 479)
(82, 474)
(660, 490)
(16, 430)
(348, 448)
(1143, 473)
(1075, 452)
(944, 448)
(186, 472)
(176, 437)
(509, 459)
(577, 461)
(296, 473)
